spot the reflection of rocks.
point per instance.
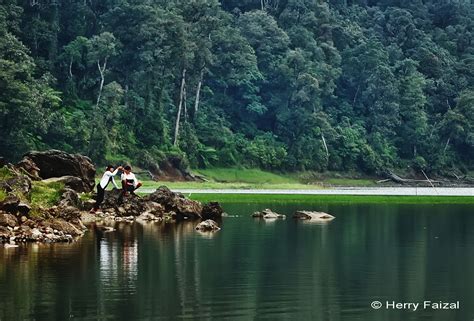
(313, 216)
(268, 214)
(208, 226)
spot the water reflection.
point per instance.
(251, 269)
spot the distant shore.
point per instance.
(353, 191)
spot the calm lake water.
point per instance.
(252, 269)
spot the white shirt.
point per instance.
(130, 176)
(104, 181)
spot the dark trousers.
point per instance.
(100, 196)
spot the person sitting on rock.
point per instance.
(130, 182)
(104, 182)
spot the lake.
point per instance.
(253, 269)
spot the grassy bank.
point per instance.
(242, 178)
(275, 198)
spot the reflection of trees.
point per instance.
(250, 268)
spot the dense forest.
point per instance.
(290, 85)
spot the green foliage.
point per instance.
(45, 195)
(5, 173)
(279, 85)
(3, 195)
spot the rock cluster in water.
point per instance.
(302, 215)
(268, 214)
(23, 221)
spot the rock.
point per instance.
(20, 183)
(55, 163)
(176, 202)
(172, 168)
(212, 211)
(8, 220)
(60, 225)
(154, 208)
(87, 205)
(313, 216)
(147, 216)
(23, 209)
(72, 182)
(268, 214)
(9, 245)
(70, 198)
(27, 166)
(10, 204)
(65, 212)
(36, 234)
(208, 226)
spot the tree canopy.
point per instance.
(360, 85)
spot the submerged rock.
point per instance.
(268, 214)
(208, 226)
(313, 216)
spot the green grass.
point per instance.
(85, 196)
(229, 185)
(5, 173)
(252, 198)
(45, 195)
(3, 195)
(242, 175)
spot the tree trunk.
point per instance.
(70, 69)
(198, 93)
(102, 80)
(185, 105)
(325, 145)
(447, 144)
(180, 106)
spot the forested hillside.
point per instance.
(289, 85)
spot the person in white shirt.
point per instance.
(130, 182)
(104, 182)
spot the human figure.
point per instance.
(107, 177)
(130, 182)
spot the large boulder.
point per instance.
(313, 216)
(212, 211)
(176, 202)
(55, 163)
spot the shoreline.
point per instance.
(342, 191)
